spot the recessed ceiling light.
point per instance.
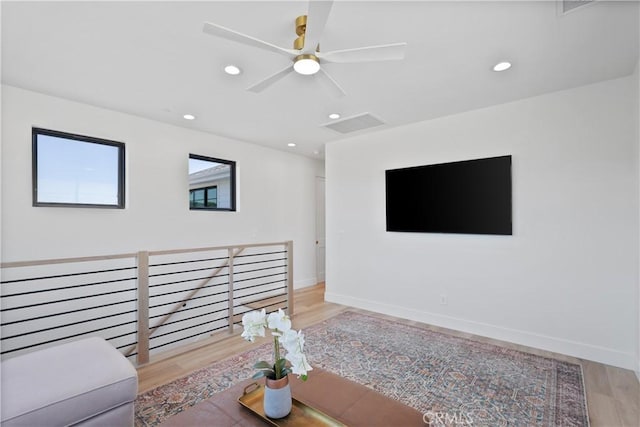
(232, 70)
(316, 152)
(334, 116)
(502, 66)
(189, 117)
(291, 144)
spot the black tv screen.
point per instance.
(471, 197)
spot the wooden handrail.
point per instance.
(16, 264)
(213, 248)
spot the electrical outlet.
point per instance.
(443, 300)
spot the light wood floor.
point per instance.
(613, 394)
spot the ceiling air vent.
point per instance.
(354, 123)
(569, 5)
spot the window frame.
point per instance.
(35, 131)
(232, 184)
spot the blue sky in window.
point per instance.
(196, 165)
(71, 171)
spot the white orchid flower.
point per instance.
(279, 321)
(293, 341)
(254, 323)
(299, 364)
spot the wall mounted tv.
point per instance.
(470, 197)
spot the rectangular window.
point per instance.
(212, 183)
(76, 171)
(204, 198)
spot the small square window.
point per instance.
(76, 171)
(211, 183)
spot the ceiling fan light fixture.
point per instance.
(306, 64)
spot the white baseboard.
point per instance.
(529, 339)
(304, 283)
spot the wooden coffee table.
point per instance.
(348, 402)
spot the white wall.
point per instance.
(565, 281)
(276, 199)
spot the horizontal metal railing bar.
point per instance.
(259, 262)
(252, 302)
(189, 280)
(259, 269)
(275, 303)
(69, 312)
(127, 345)
(64, 338)
(121, 335)
(58, 327)
(238, 322)
(15, 264)
(266, 299)
(202, 296)
(4, 282)
(256, 293)
(209, 313)
(189, 308)
(66, 325)
(67, 300)
(68, 287)
(185, 271)
(256, 286)
(261, 253)
(187, 262)
(184, 329)
(258, 277)
(261, 284)
(190, 336)
(214, 248)
(186, 290)
(261, 292)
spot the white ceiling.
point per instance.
(152, 59)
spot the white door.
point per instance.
(320, 239)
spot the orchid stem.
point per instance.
(276, 346)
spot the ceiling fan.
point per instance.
(306, 56)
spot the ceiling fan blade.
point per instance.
(229, 34)
(316, 21)
(385, 52)
(331, 83)
(263, 84)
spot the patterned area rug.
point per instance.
(455, 381)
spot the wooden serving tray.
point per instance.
(301, 413)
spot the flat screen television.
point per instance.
(470, 197)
